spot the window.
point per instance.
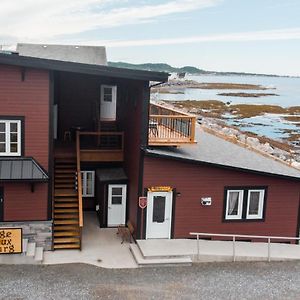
(244, 203)
(88, 183)
(116, 195)
(109, 93)
(255, 204)
(10, 137)
(234, 204)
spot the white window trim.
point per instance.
(84, 184)
(113, 92)
(240, 205)
(7, 138)
(260, 204)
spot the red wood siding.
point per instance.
(20, 204)
(28, 98)
(196, 181)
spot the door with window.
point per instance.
(108, 103)
(1, 204)
(159, 215)
(116, 208)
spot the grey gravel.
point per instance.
(277, 280)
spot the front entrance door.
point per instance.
(116, 213)
(108, 106)
(1, 204)
(159, 214)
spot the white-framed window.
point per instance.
(255, 204)
(88, 183)
(10, 137)
(234, 204)
(109, 93)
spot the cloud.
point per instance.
(267, 35)
(43, 19)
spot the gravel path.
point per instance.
(204, 281)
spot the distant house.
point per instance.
(78, 135)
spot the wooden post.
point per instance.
(193, 128)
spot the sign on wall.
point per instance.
(10, 240)
(142, 202)
(160, 189)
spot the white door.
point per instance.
(108, 103)
(116, 212)
(159, 215)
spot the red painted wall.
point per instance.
(20, 204)
(30, 99)
(196, 181)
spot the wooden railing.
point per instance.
(170, 127)
(79, 185)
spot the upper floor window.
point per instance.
(244, 203)
(10, 137)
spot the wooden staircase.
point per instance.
(67, 233)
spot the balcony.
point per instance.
(169, 127)
(100, 146)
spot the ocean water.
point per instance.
(270, 125)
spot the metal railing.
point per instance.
(235, 236)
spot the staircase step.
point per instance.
(66, 216)
(66, 199)
(151, 262)
(58, 228)
(30, 249)
(67, 246)
(66, 240)
(65, 171)
(62, 175)
(64, 180)
(65, 210)
(39, 254)
(65, 193)
(65, 205)
(64, 185)
(66, 222)
(66, 233)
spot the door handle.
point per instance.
(109, 207)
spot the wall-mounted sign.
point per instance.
(142, 202)
(10, 240)
(160, 189)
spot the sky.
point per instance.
(260, 36)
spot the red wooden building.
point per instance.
(78, 136)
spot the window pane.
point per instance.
(2, 137)
(107, 91)
(116, 200)
(159, 204)
(13, 127)
(13, 147)
(254, 203)
(116, 191)
(107, 98)
(2, 147)
(89, 183)
(233, 203)
(13, 137)
(2, 127)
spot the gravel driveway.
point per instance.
(277, 280)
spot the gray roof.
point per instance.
(111, 174)
(93, 55)
(218, 151)
(21, 169)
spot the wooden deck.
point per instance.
(168, 127)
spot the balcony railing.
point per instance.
(101, 146)
(168, 127)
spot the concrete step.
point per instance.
(152, 262)
(24, 245)
(30, 249)
(39, 254)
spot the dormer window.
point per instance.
(10, 137)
